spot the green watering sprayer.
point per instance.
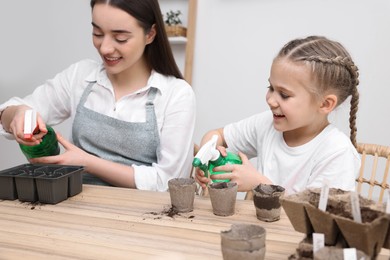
(209, 157)
(49, 145)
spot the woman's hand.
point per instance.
(14, 117)
(245, 175)
(72, 155)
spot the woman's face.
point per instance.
(293, 106)
(118, 38)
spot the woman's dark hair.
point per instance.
(147, 12)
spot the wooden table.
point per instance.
(115, 223)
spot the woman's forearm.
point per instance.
(114, 173)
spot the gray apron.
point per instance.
(116, 140)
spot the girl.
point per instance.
(295, 145)
(133, 114)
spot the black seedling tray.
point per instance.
(8, 186)
(38, 182)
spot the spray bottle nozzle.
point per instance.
(30, 124)
(208, 152)
(197, 162)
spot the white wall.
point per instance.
(39, 39)
(236, 42)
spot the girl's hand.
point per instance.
(72, 155)
(200, 175)
(201, 178)
(245, 175)
(222, 150)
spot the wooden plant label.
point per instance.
(318, 241)
(355, 207)
(324, 196)
(349, 253)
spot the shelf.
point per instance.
(186, 44)
(177, 40)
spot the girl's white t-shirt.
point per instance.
(329, 156)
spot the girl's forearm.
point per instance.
(208, 135)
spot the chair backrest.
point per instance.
(374, 170)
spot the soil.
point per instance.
(339, 204)
(267, 197)
(268, 189)
(32, 204)
(220, 185)
(304, 250)
(314, 195)
(299, 197)
(169, 212)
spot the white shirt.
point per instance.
(57, 99)
(329, 156)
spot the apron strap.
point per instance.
(151, 95)
(86, 92)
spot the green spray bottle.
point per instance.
(49, 145)
(209, 157)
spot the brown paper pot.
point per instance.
(382, 207)
(294, 206)
(182, 192)
(387, 239)
(323, 222)
(368, 236)
(334, 253)
(223, 197)
(230, 254)
(304, 249)
(243, 241)
(386, 244)
(266, 201)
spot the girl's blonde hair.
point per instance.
(333, 70)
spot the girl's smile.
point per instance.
(296, 112)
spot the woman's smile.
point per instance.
(111, 61)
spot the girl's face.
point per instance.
(294, 108)
(118, 38)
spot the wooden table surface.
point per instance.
(115, 223)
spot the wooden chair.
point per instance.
(378, 157)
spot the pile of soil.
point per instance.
(339, 203)
(171, 212)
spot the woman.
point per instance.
(133, 114)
